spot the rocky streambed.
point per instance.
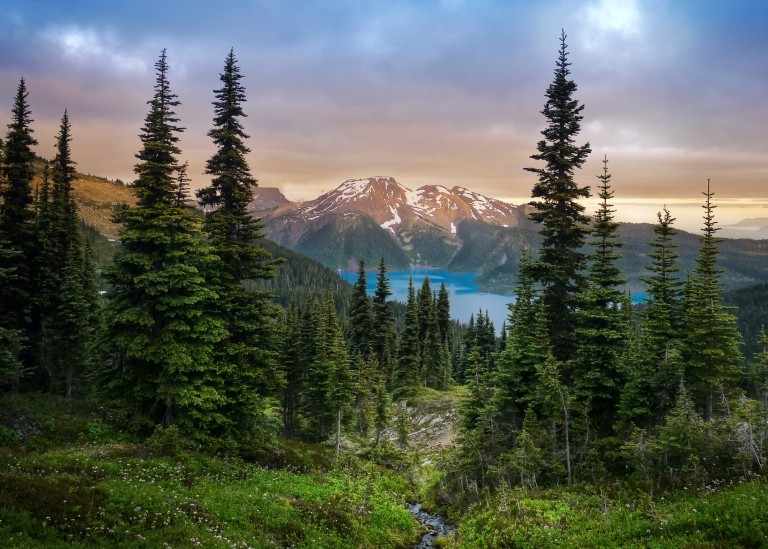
(435, 524)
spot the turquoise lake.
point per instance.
(465, 295)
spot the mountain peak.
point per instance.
(394, 206)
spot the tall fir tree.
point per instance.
(407, 376)
(603, 323)
(67, 292)
(249, 315)
(653, 365)
(713, 361)
(563, 224)
(160, 338)
(444, 312)
(360, 315)
(384, 331)
(234, 233)
(527, 347)
(294, 366)
(17, 232)
(760, 372)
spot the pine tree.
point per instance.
(657, 363)
(602, 328)
(330, 384)
(314, 398)
(712, 356)
(485, 337)
(425, 302)
(360, 316)
(443, 312)
(435, 359)
(406, 377)
(249, 315)
(69, 307)
(233, 231)
(469, 340)
(563, 223)
(382, 405)
(11, 340)
(17, 222)
(160, 336)
(46, 283)
(527, 348)
(761, 370)
(293, 364)
(384, 333)
(554, 400)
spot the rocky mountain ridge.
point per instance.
(459, 230)
(423, 222)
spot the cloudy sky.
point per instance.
(427, 91)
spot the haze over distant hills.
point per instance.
(461, 230)
(456, 229)
(755, 228)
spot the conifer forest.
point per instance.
(198, 385)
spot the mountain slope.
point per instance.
(423, 223)
(465, 231)
(97, 199)
(345, 238)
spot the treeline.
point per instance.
(188, 334)
(178, 339)
(583, 390)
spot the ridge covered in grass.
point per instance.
(74, 482)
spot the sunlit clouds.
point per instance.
(86, 46)
(446, 92)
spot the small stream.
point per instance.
(436, 525)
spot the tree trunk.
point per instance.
(338, 433)
(566, 417)
(708, 405)
(68, 382)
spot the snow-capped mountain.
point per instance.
(449, 207)
(383, 199)
(393, 206)
(458, 229)
(366, 216)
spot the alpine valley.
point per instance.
(455, 229)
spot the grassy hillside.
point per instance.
(602, 516)
(97, 199)
(67, 479)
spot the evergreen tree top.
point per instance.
(232, 182)
(707, 274)
(63, 172)
(156, 182)
(563, 113)
(382, 284)
(17, 168)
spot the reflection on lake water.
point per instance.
(465, 295)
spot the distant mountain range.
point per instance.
(368, 218)
(455, 229)
(460, 230)
(754, 228)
